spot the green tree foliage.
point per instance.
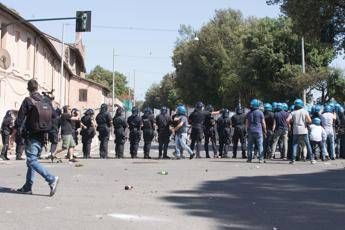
(162, 94)
(105, 77)
(317, 19)
(243, 58)
(330, 84)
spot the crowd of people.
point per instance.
(297, 133)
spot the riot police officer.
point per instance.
(269, 119)
(196, 120)
(103, 120)
(224, 133)
(238, 122)
(75, 125)
(120, 126)
(210, 132)
(6, 131)
(134, 124)
(163, 121)
(88, 131)
(148, 121)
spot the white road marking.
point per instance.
(129, 217)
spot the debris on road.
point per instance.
(78, 165)
(128, 187)
(163, 172)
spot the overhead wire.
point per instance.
(135, 28)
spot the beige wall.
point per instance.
(30, 57)
(95, 96)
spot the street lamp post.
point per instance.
(113, 99)
(303, 71)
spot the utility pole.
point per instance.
(129, 84)
(113, 99)
(134, 88)
(303, 72)
(62, 62)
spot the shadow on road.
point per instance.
(300, 201)
(13, 191)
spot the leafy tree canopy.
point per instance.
(105, 77)
(317, 19)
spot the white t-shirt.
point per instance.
(317, 133)
(327, 122)
(299, 119)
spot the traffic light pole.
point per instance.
(38, 20)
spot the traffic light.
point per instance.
(83, 21)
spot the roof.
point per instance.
(42, 35)
(91, 82)
(71, 46)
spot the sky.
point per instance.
(142, 32)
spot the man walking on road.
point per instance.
(36, 112)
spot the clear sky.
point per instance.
(147, 52)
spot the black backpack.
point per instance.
(147, 123)
(40, 117)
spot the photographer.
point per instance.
(36, 114)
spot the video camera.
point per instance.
(49, 94)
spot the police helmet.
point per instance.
(285, 106)
(199, 105)
(299, 103)
(239, 110)
(135, 111)
(164, 110)
(268, 107)
(119, 111)
(209, 108)
(316, 121)
(279, 107)
(148, 110)
(181, 110)
(225, 112)
(254, 104)
(327, 109)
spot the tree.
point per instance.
(153, 97)
(162, 94)
(205, 68)
(105, 78)
(237, 58)
(330, 85)
(323, 20)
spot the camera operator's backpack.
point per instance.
(40, 117)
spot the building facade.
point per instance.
(33, 54)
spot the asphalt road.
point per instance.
(196, 194)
